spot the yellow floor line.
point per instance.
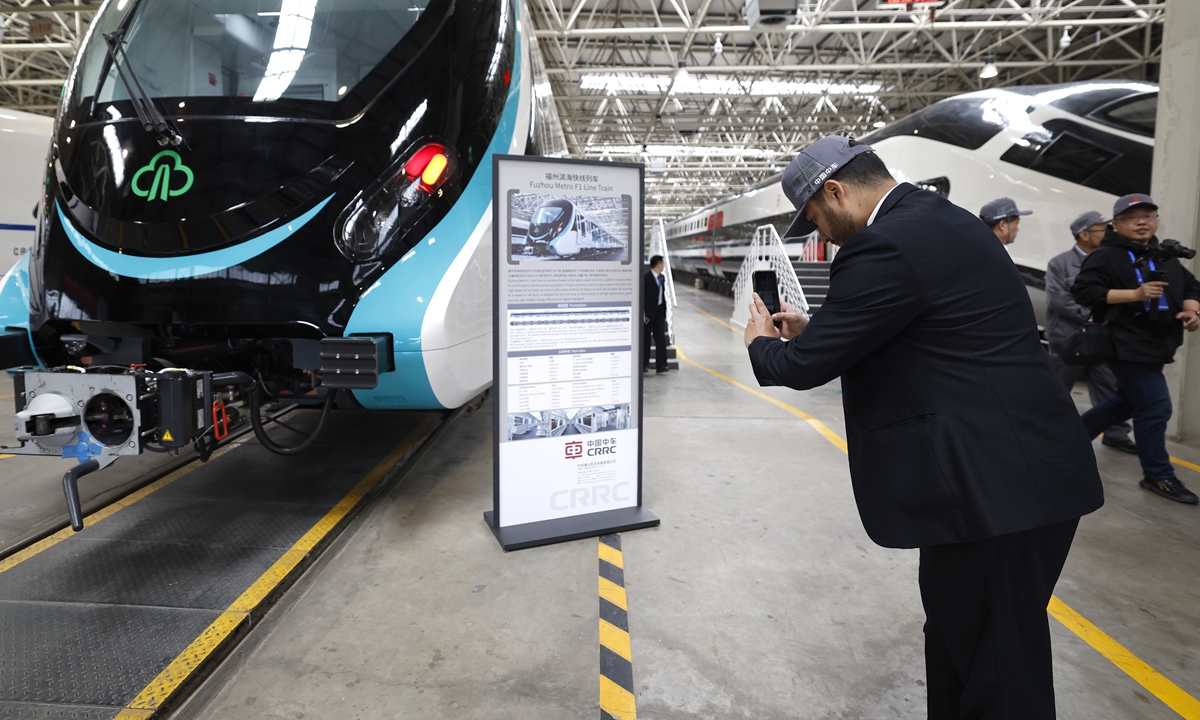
(1177, 461)
(819, 426)
(112, 508)
(181, 668)
(1149, 678)
(1186, 464)
(1157, 683)
(714, 317)
(5, 397)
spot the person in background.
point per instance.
(654, 319)
(1003, 217)
(1064, 316)
(1147, 316)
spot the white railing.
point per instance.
(766, 253)
(658, 246)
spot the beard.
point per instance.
(841, 225)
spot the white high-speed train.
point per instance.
(24, 141)
(1058, 150)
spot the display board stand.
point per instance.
(567, 334)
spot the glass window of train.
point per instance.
(1136, 115)
(956, 121)
(1073, 158)
(248, 50)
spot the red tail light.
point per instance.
(429, 164)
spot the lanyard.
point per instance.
(1162, 299)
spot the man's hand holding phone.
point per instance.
(761, 324)
(792, 321)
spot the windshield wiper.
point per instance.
(152, 119)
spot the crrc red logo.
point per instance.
(574, 450)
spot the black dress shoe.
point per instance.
(1122, 444)
(661, 371)
(1171, 489)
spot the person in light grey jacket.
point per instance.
(1064, 316)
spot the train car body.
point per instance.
(557, 227)
(318, 171)
(1058, 150)
(24, 140)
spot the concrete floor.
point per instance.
(760, 596)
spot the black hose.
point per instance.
(252, 390)
(269, 444)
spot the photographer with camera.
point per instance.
(1136, 284)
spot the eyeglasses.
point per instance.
(1137, 218)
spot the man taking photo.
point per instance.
(961, 440)
(1064, 316)
(1138, 286)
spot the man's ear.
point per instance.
(835, 192)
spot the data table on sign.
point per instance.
(525, 369)
(549, 329)
(559, 395)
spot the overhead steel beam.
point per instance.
(850, 28)
(36, 47)
(881, 66)
(44, 9)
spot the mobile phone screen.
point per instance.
(767, 287)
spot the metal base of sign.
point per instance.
(518, 537)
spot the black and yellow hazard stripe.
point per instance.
(617, 700)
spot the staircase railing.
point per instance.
(766, 253)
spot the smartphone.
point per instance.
(766, 284)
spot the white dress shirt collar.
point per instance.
(881, 201)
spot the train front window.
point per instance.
(547, 215)
(247, 50)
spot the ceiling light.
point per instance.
(1065, 41)
(681, 74)
(718, 48)
(879, 124)
(989, 70)
(342, 91)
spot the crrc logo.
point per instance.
(168, 169)
(574, 450)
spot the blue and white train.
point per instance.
(234, 184)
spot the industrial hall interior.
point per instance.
(558, 359)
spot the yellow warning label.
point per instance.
(167, 437)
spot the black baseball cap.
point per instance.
(1086, 220)
(1129, 201)
(809, 170)
(1001, 208)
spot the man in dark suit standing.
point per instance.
(654, 304)
(962, 442)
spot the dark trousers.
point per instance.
(1141, 394)
(987, 634)
(1101, 385)
(659, 330)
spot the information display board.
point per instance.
(567, 382)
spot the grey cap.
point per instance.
(809, 170)
(1127, 201)
(1086, 220)
(1000, 209)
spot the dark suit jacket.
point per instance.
(957, 428)
(653, 310)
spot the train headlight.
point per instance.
(370, 224)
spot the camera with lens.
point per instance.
(1162, 252)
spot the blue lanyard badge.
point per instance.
(1162, 300)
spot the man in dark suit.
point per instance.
(654, 304)
(962, 442)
